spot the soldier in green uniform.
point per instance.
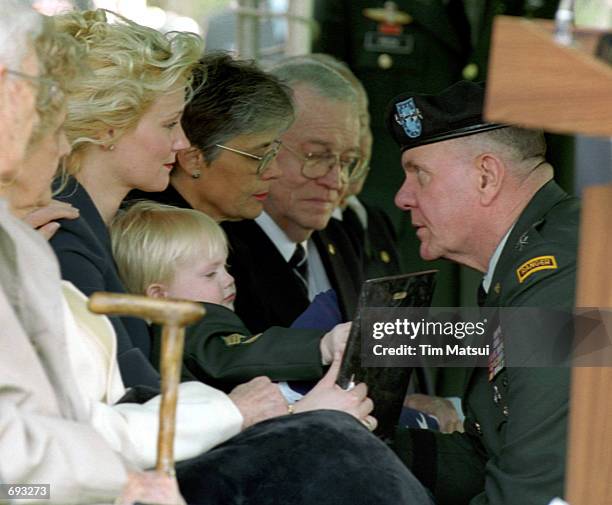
(483, 195)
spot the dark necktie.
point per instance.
(299, 264)
(481, 297)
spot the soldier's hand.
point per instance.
(258, 400)
(441, 408)
(334, 341)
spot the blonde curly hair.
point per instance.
(131, 66)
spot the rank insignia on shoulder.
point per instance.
(535, 265)
(239, 339)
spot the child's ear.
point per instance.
(157, 291)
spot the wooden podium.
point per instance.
(537, 83)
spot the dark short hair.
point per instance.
(234, 97)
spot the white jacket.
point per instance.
(205, 416)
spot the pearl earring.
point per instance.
(111, 147)
(196, 174)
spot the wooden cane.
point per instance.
(173, 315)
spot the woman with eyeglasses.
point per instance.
(233, 123)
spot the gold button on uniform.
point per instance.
(385, 61)
(384, 256)
(331, 249)
(470, 71)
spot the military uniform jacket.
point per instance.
(513, 450)
(267, 291)
(221, 351)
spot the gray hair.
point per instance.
(326, 81)
(234, 97)
(20, 25)
(518, 144)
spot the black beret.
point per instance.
(416, 119)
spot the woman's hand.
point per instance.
(150, 487)
(258, 400)
(328, 395)
(44, 219)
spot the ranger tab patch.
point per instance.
(535, 265)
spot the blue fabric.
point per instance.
(412, 418)
(323, 313)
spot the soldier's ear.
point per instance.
(491, 173)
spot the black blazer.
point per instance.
(83, 249)
(378, 242)
(268, 293)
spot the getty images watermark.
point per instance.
(468, 337)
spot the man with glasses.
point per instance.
(292, 251)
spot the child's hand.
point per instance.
(334, 342)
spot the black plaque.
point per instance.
(386, 386)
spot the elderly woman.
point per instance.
(45, 435)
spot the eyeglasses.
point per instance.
(264, 160)
(48, 90)
(317, 165)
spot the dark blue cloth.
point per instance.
(323, 313)
(83, 248)
(412, 418)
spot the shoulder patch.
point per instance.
(535, 265)
(238, 339)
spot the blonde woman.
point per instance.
(123, 124)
